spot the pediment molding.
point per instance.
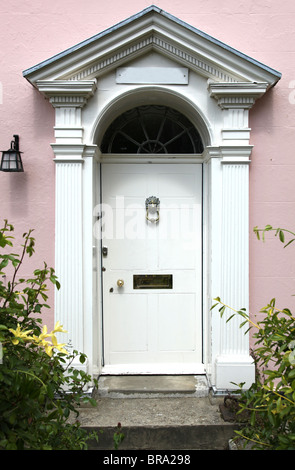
(162, 45)
(152, 30)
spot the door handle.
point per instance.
(120, 283)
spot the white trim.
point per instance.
(241, 368)
(152, 369)
(155, 159)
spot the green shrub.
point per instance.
(270, 401)
(39, 388)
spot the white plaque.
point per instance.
(153, 75)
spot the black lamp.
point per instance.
(11, 159)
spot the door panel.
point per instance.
(147, 327)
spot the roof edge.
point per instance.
(26, 73)
(91, 39)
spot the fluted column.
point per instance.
(228, 169)
(233, 363)
(74, 302)
(68, 98)
(228, 263)
(235, 255)
(69, 246)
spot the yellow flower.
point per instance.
(48, 349)
(50, 346)
(58, 328)
(41, 340)
(20, 334)
(59, 346)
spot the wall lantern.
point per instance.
(11, 159)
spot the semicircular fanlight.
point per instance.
(152, 129)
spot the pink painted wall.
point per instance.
(33, 30)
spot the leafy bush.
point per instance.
(270, 401)
(39, 388)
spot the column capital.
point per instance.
(229, 153)
(239, 95)
(67, 93)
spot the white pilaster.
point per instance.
(229, 228)
(229, 263)
(75, 257)
(233, 361)
(72, 220)
(69, 245)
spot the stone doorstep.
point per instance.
(164, 438)
(151, 385)
(166, 423)
(157, 413)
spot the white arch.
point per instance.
(148, 95)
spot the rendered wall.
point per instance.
(32, 31)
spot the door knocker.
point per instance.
(152, 204)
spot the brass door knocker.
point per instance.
(152, 204)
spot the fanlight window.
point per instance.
(152, 129)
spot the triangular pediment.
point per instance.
(152, 30)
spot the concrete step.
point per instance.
(150, 386)
(157, 413)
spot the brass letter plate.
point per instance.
(152, 281)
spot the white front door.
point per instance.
(152, 270)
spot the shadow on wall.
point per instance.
(18, 194)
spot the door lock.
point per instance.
(104, 251)
(120, 283)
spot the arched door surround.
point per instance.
(154, 58)
(151, 95)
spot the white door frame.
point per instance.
(84, 85)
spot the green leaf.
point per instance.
(4, 263)
(92, 401)
(222, 310)
(256, 231)
(281, 236)
(230, 318)
(82, 358)
(289, 242)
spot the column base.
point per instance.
(230, 371)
